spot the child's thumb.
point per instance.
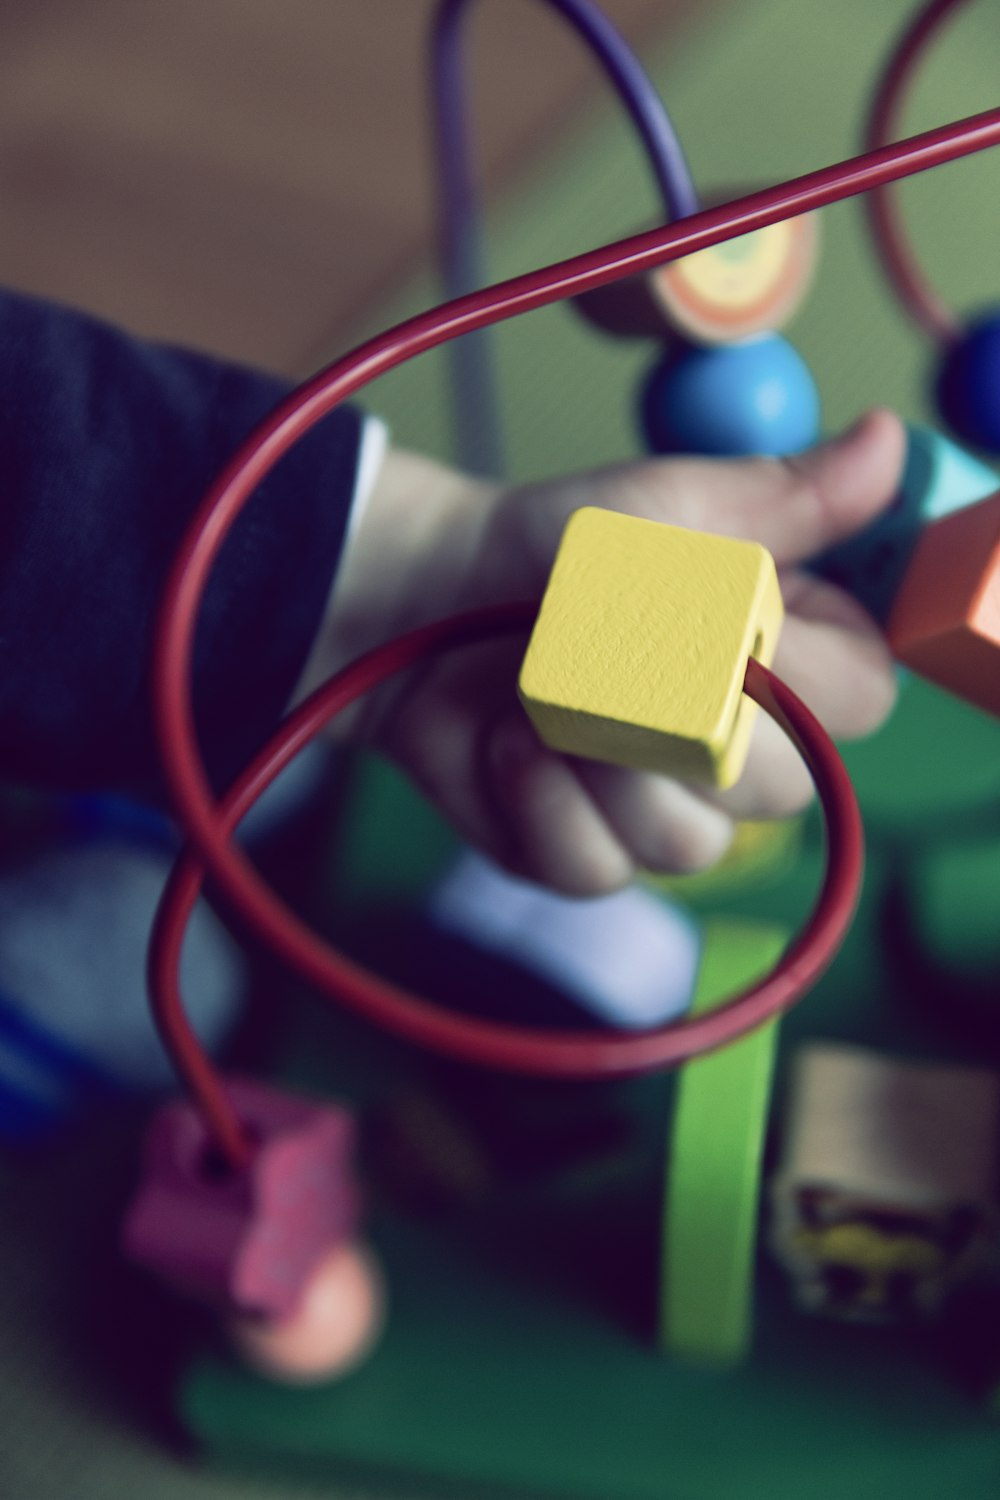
(796, 507)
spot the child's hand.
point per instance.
(433, 543)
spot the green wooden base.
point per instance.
(498, 1378)
(715, 1156)
(521, 1357)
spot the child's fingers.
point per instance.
(845, 676)
(463, 738)
(437, 729)
(581, 827)
(796, 507)
(665, 825)
(844, 673)
(774, 783)
(558, 835)
(578, 827)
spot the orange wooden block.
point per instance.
(945, 621)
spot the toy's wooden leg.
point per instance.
(715, 1161)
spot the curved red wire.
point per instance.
(207, 829)
(560, 1054)
(891, 241)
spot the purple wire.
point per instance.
(474, 381)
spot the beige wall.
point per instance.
(249, 175)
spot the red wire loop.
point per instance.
(556, 1054)
(891, 241)
(208, 826)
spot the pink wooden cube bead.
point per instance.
(246, 1239)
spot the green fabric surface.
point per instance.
(759, 93)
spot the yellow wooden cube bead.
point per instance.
(641, 644)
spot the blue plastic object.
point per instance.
(74, 1021)
(756, 396)
(630, 959)
(968, 386)
(938, 478)
(41, 1078)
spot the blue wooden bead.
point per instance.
(756, 396)
(968, 386)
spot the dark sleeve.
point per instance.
(107, 445)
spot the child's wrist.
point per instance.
(402, 566)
